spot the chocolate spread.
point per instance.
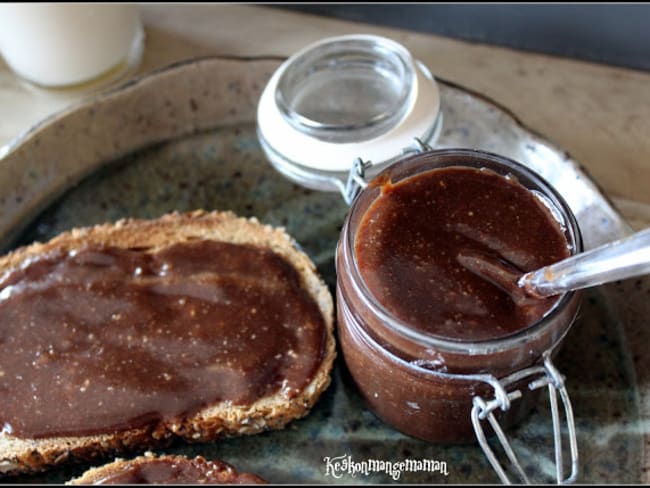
(105, 338)
(418, 237)
(434, 241)
(177, 470)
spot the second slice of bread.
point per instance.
(209, 472)
(214, 421)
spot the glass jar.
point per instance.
(422, 384)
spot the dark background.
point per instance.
(616, 34)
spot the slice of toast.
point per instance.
(165, 469)
(214, 421)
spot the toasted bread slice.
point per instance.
(166, 469)
(215, 421)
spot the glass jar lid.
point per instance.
(342, 98)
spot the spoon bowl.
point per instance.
(618, 260)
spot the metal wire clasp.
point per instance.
(418, 147)
(356, 177)
(546, 375)
(356, 181)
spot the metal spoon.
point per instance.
(618, 260)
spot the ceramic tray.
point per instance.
(184, 138)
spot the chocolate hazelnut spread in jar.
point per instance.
(427, 341)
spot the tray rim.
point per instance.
(15, 142)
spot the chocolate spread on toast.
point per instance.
(104, 339)
(176, 470)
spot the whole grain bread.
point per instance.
(215, 421)
(211, 472)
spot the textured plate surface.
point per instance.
(185, 138)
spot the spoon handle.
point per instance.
(616, 260)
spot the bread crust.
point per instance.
(224, 470)
(215, 421)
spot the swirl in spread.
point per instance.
(106, 338)
(416, 240)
